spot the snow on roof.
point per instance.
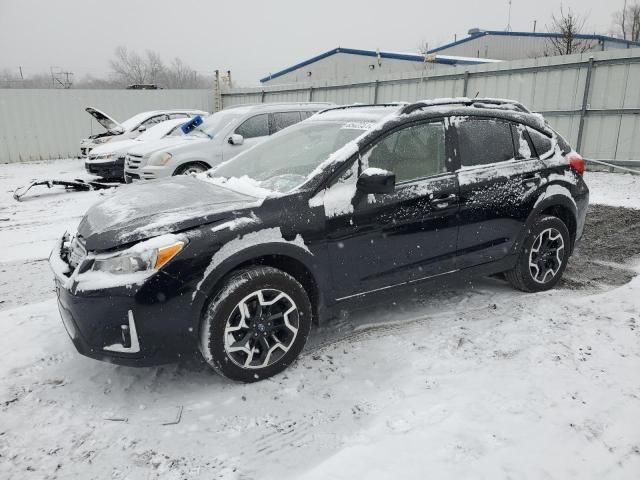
(412, 57)
(482, 33)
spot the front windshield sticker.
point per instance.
(357, 125)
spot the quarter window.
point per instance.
(257, 126)
(411, 153)
(283, 120)
(482, 142)
(541, 142)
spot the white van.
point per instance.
(220, 137)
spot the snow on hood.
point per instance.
(141, 211)
(121, 146)
(105, 120)
(146, 149)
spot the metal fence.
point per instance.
(591, 99)
(42, 124)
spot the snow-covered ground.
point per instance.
(476, 381)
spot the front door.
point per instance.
(253, 130)
(385, 240)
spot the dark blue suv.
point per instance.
(238, 261)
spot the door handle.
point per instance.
(443, 201)
(532, 179)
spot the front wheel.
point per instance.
(256, 325)
(544, 256)
(191, 169)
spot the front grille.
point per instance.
(133, 161)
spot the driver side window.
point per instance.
(411, 153)
(257, 126)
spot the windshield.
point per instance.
(133, 122)
(215, 122)
(161, 129)
(285, 160)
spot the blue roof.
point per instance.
(584, 36)
(414, 57)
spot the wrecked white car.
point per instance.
(130, 128)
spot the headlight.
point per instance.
(137, 260)
(160, 158)
(107, 156)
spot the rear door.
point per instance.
(498, 174)
(390, 239)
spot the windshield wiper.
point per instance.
(199, 129)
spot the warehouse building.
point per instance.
(343, 65)
(519, 45)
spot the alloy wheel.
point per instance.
(261, 329)
(546, 256)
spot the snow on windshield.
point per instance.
(160, 130)
(286, 160)
(131, 123)
(218, 120)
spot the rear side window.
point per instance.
(482, 142)
(283, 120)
(257, 126)
(541, 142)
(524, 148)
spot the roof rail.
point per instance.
(469, 102)
(362, 105)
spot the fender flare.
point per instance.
(221, 267)
(553, 195)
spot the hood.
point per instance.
(139, 211)
(121, 146)
(105, 120)
(167, 143)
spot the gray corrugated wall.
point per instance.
(553, 85)
(42, 124)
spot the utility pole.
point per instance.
(509, 19)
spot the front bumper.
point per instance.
(111, 169)
(137, 325)
(147, 173)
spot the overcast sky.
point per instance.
(252, 38)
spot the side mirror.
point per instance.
(376, 180)
(235, 139)
(141, 128)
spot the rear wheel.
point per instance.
(544, 256)
(256, 325)
(191, 168)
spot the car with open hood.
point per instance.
(222, 136)
(107, 161)
(355, 202)
(130, 128)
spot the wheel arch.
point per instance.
(556, 201)
(290, 258)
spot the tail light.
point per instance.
(576, 162)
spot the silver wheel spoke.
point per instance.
(261, 328)
(546, 255)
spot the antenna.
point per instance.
(61, 78)
(508, 29)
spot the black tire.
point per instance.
(528, 278)
(223, 311)
(189, 168)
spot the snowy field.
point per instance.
(477, 381)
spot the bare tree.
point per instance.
(567, 27)
(130, 67)
(627, 22)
